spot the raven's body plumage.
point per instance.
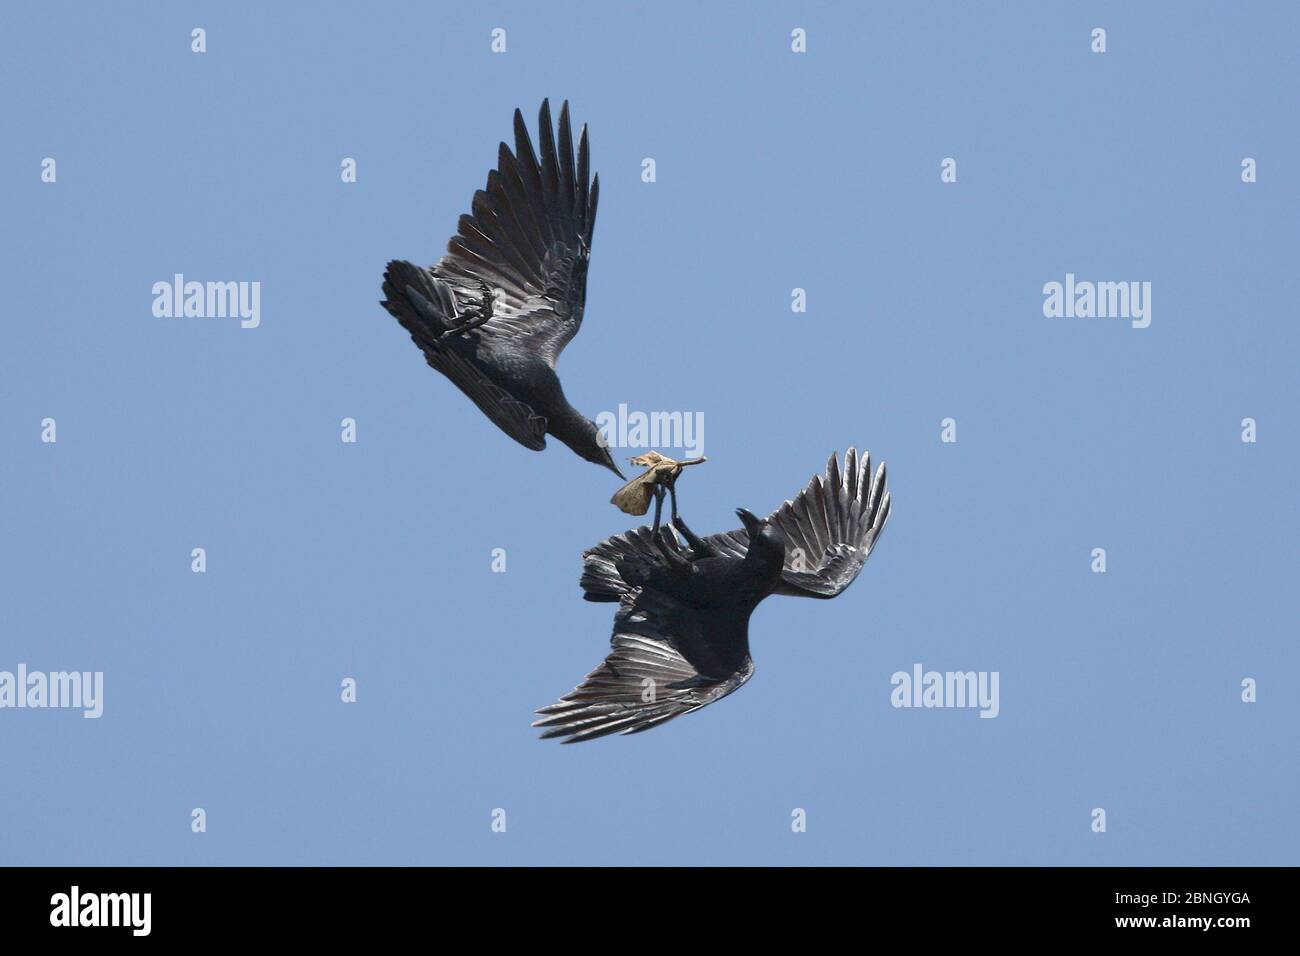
(681, 633)
(494, 313)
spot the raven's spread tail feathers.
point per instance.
(422, 302)
(619, 565)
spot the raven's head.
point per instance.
(596, 451)
(582, 435)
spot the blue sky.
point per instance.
(775, 171)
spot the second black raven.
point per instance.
(681, 634)
(495, 312)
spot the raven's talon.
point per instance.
(487, 300)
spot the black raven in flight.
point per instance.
(495, 312)
(681, 634)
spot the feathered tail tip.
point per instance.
(617, 566)
(418, 299)
(600, 580)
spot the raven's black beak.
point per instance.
(609, 463)
(753, 524)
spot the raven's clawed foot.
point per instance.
(475, 316)
(658, 493)
(486, 301)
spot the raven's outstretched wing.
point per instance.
(830, 528)
(661, 665)
(528, 235)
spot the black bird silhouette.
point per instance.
(494, 313)
(681, 634)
